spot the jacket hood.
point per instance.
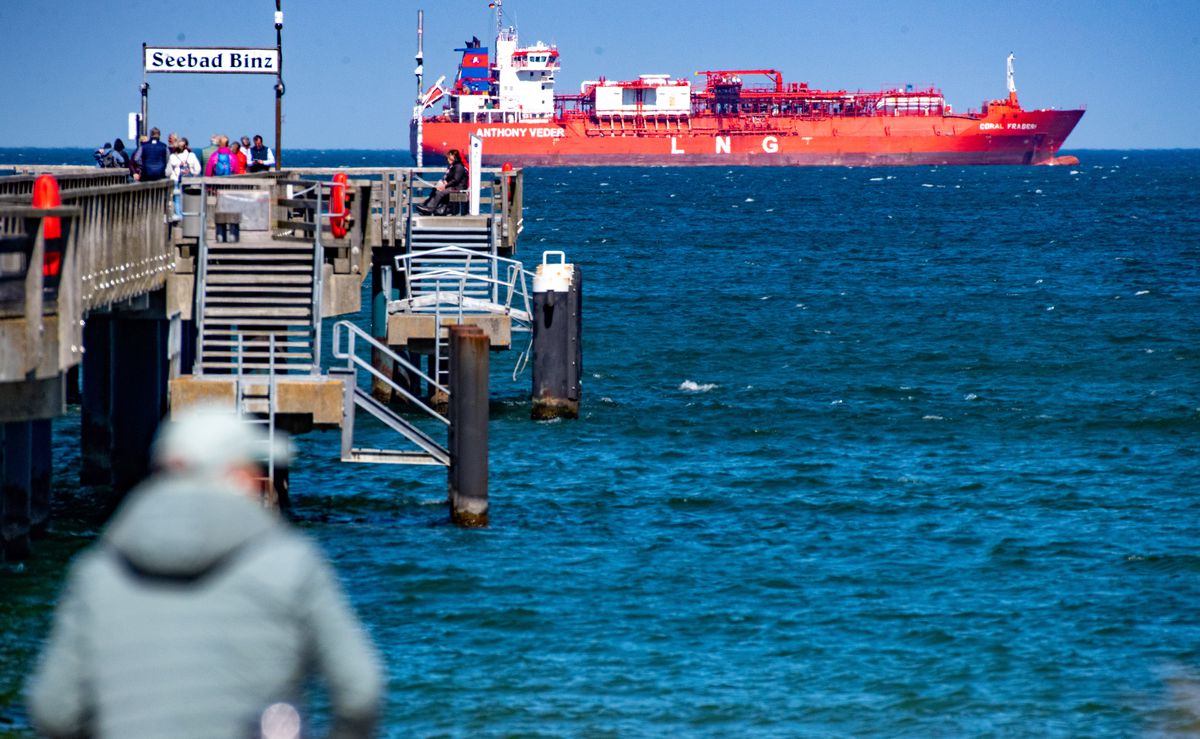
(180, 527)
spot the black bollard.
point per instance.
(557, 341)
(468, 473)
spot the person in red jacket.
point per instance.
(236, 148)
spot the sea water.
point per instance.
(861, 452)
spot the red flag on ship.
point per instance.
(432, 95)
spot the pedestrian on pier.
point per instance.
(207, 151)
(240, 157)
(122, 155)
(151, 158)
(183, 163)
(455, 180)
(222, 161)
(199, 612)
(260, 155)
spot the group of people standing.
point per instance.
(153, 160)
(225, 157)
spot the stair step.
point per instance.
(256, 268)
(270, 246)
(209, 299)
(258, 358)
(258, 290)
(390, 456)
(225, 321)
(250, 365)
(251, 312)
(255, 279)
(211, 332)
(257, 342)
(246, 259)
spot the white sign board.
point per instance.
(475, 163)
(210, 60)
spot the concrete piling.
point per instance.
(379, 300)
(15, 483)
(468, 473)
(557, 341)
(139, 360)
(96, 409)
(40, 474)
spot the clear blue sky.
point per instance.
(71, 70)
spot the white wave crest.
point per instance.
(689, 386)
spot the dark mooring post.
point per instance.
(16, 445)
(557, 340)
(468, 474)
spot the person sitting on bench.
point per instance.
(455, 179)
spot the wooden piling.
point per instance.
(468, 473)
(557, 344)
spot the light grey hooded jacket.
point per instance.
(194, 612)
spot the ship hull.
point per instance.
(1017, 137)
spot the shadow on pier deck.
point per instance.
(225, 305)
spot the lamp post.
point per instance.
(279, 88)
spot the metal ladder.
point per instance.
(258, 409)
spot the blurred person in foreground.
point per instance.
(198, 613)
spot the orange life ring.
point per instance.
(339, 205)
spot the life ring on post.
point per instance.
(339, 205)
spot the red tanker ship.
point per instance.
(509, 101)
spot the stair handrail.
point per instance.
(200, 287)
(350, 332)
(516, 284)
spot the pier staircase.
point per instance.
(258, 308)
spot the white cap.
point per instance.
(212, 439)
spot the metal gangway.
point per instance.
(443, 287)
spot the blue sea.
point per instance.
(862, 452)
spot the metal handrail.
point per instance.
(515, 285)
(352, 333)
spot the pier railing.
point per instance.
(39, 294)
(500, 197)
(21, 186)
(130, 252)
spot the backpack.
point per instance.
(224, 164)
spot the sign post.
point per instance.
(475, 158)
(218, 60)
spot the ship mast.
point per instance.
(419, 111)
(499, 6)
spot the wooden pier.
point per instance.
(226, 304)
